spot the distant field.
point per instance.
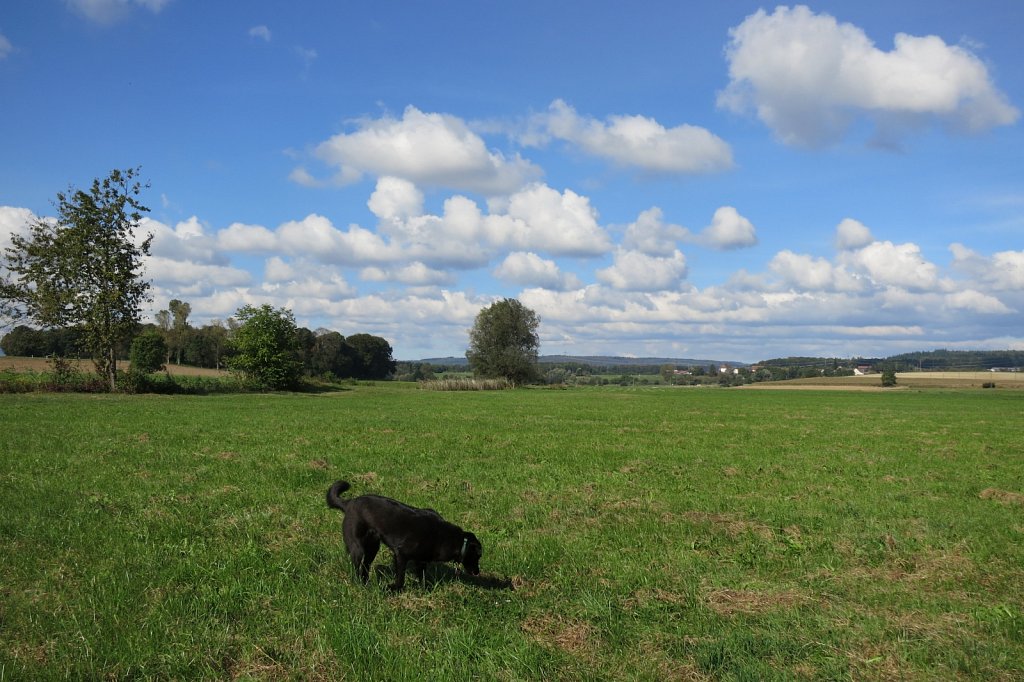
(629, 534)
(904, 380)
(41, 365)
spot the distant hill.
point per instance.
(603, 361)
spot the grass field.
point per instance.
(629, 534)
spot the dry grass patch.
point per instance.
(1004, 497)
(655, 595)
(732, 524)
(576, 637)
(654, 656)
(727, 602)
(875, 662)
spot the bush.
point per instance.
(889, 378)
(148, 352)
(266, 348)
(133, 381)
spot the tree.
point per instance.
(205, 346)
(888, 376)
(331, 355)
(149, 350)
(9, 313)
(504, 342)
(265, 347)
(372, 355)
(163, 323)
(84, 268)
(179, 311)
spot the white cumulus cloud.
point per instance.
(898, 265)
(187, 240)
(317, 237)
(13, 220)
(413, 274)
(540, 218)
(803, 271)
(529, 269)
(852, 234)
(428, 149)
(650, 234)
(1004, 271)
(637, 141)
(246, 238)
(728, 230)
(977, 302)
(808, 77)
(395, 199)
(636, 271)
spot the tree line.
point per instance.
(321, 353)
(77, 281)
(940, 360)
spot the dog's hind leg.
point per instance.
(363, 553)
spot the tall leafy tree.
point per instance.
(372, 356)
(85, 267)
(332, 355)
(266, 348)
(504, 342)
(179, 327)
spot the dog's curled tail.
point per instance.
(333, 493)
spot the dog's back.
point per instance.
(387, 516)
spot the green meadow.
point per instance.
(629, 534)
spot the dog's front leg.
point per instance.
(400, 563)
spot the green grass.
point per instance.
(628, 534)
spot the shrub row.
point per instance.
(63, 381)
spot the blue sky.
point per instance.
(733, 181)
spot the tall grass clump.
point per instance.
(467, 384)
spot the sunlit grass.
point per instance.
(628, 534)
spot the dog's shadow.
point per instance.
(441, 574)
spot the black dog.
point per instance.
(411, 534)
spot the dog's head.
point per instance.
(472, 550)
